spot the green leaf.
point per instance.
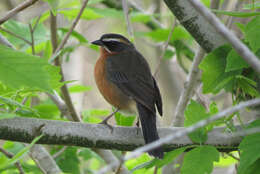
(160, 35)
(13, 103)
(79, 88)
(53, 4)
(214, 77)
(55, 77)
(18, 70)
(252, 33)
(200, 160)
(94, 1)
(88, 14)
(109, 12)
(124, 120)
(21, 153)
(48, 111)
(241, 26)
(252, 6)
(75, 34)
(94, 115)
(235, 61)
(236, 14)
(168, 158)
(88, 154)
(68, 161)
(194, 113)
(140, 17)
(254, 168)
(250, 152)
(7, 115)
(22, 30)
(247, 85)
(168, 54)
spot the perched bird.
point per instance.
(125, 80)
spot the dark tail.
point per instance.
(148, 123)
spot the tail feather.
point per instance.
(148, 123)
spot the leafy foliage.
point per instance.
(18, 69)
(200, 160)
(250, 152)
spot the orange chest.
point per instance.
(110, 91)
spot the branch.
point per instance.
(15, 35)
(109, 158)
(74, 23)
(128, 23)
(16, 10)
(188, 89)
(64, 90)
(44, 160)
(10, 155)
(179, 134)
(196, 24)
(100, 136)
(241, 48)
(5, 42)
(166, 44)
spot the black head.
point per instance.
(113, 42)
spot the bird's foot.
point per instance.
(104, 122)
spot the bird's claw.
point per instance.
(104, 122)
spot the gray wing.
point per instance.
(130, 72)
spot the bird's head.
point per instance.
(113, 43)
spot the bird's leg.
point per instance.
(107, 118)
(138, 125)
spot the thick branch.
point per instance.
(196, 24)
(100, 136)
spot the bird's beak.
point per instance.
(98, 42)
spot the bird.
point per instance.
(124, 78)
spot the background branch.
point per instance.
(16, 10)
(196, 24)
(10, 155)
(189, 87)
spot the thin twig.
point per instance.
(32, 38)
(181, 133)
(59, 152)
(16, 10)
(36, 23)
(138, 7)
(188, 89)
(127, 19)
(5, 42)
(64, 89)
(166, 44)
(241, 48)
(10, 155)
(75, 22)
(15, 35)
(233, 156)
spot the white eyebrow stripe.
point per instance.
(111, 39)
